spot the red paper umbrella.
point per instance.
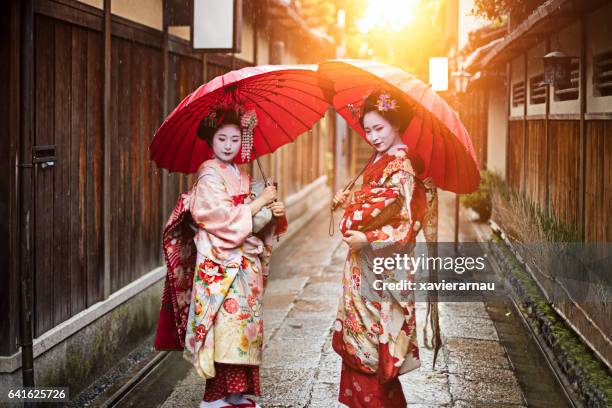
(288, 100)
(435, 133)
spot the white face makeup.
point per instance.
(379, 132)
(226, 143)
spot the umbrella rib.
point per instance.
(319, 79)
(265, 139)
(272, 118)
(292, 88)
(293, 99)
(191, 120)
(317, 82)
(195, 140)
(175, 129)
(285, 109)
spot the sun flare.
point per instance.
(392, 14)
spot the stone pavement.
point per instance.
(300, 368)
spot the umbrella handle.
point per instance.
(266, 182)
(347, 187)
(276, 186)
(263, 174)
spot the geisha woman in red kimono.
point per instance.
(217, 245)
(376, 336)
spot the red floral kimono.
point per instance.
(377, 340)
(216, 274)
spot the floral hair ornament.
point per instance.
(354, 111)
(248, 121)
(211, 119)
(385, 102)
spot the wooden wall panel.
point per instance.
(137, 97)
(9, 135)
(43, 179)
(564, 169)
(514, 161)
(598, 181)
(63, 115)
(154, 232)
(536, 162)
(93, 160)
(68, 204)
(77, 170)
(473, 113)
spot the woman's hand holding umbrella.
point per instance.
(267, 196)
(340, 198)
(277, 208)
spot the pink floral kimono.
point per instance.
(377, 338)
(217, 271)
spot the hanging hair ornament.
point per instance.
(385, 102)
(248, 121)
(354, 111)
(211, 119)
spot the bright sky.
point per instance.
(392, 14)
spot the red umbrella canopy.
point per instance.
(435, 133)
(287, 99)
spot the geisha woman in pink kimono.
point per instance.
(376, 336)
(217, 245)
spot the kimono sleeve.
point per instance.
(405, 180)
(213, 210)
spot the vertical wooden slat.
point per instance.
(77, 169)
(115, 169)
(92, 162)
(106, 135)
(583, 142)
(165, 89)
(27, 105)
(9, 190)
(544, 147)
(525, 143)
(124, 146)
(536, 161)
(564, 169)
(132, 178)
(156, 196)
(598, 181)
(145, 179)
(515, 155)
(62, 103)
(137, 169)
(43, 178)
(171, 182)
(508, 108)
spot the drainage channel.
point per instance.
(153, 384)
(534, 369)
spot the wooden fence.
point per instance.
(547, 169)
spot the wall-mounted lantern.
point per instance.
(557, 69)
(216, 25)
(461, 80)
(438, 73)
